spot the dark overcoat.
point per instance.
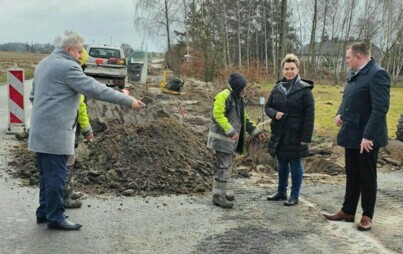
(364, 107)
(297, 124)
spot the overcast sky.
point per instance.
(98, 21)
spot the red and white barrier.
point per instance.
(15, 78)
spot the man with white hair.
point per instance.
(58, 83)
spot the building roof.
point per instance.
(331, 47)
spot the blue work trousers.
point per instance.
(52, 178)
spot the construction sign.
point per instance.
(15, 78)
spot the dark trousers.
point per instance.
(361, 180)
(52, 177)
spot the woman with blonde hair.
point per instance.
(291, 108)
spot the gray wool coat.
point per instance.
(57, 85)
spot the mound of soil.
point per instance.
(156, 158)
(161, 157)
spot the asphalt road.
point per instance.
(184, 224)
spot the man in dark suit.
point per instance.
(362, 118)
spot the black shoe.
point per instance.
(40, 220)
(277, 197)
(291, 201)
(64, 225)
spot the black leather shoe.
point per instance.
(40, 220)
(277, 197)
(291, 201)
(64, 225)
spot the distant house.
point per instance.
(331, 48)
(330, 57)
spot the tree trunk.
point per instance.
(273, 38)
(312, 51)
(248, 34)
(169, 58)
(238, 12)
(226, 35)
(167, 25)
(266, 60)
(322, 35)
(283, 35)
(257, 45)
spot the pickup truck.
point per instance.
(107, 64)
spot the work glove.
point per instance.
(87, 133)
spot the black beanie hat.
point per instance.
(237, 82)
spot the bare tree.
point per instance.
(266, 60)
(312, 43)
(226, 34)
(324, 14)
(153, 18)
(273, 37)
(283, 34)
(368, 24)
(238, 14)
(248, 33)
(392, 37)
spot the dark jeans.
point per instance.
(52, 177)
(361, 180)
(284, 168)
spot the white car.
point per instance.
(107, 64)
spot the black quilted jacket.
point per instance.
(297, 124)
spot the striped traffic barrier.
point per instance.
(15, 78)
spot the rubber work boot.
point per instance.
(67, 191)
(70, 203)
(230, 196)
(76, 195)
(219, 198)
(221, 201)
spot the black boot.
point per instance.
(291, 201)
(277, 197)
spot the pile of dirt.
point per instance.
(144, 152)
(156, 158)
